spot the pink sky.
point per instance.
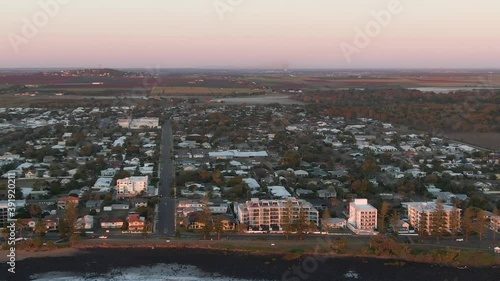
(255, 33)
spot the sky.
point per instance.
(250, 33)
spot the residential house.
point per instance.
(135, 223)
(112, 223)
(334, 223)
(139, 202)
(63, 202)
(85, 222)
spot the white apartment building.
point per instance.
(268, 214)
(131, 186)
(418, 211)
(362, 217)
(139, 123)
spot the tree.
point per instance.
(301, 225)
(468, 222)
(326, 217)
(422, 226)
(67, 225)
(21, 225)
(218, 227)
(438, 221)
(395, 222)
(454, 221)
(370, 167)
(206, 219)
(496, 212)
(121, 175)
(145, 230)
(384, 210)
(481, 223)
(40, 228)
(286, 220)
(242, 227)
(217, 178)
(291, 159)
(34, 210)
(5, 234)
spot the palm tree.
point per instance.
(40, 228)
(21, 225)
(5, 234)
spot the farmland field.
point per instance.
(201, 91)
(88, 90)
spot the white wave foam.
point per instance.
(159, 272)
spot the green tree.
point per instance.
(121, 175)
(21, 225)
(422, 226)
(394, 220)
(382, 216)
(5, 234)
(496, 212)
(468, 222)
(40, 228)
(206, 219)
(242, 227)
(325, 218)
(454, 221)
(481, 223)
(438, 221)
(301, 225)
(218, 227)
(217, 178)
(286, 220)
(67, 227)
(291, 159)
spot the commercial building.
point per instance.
(268, 215)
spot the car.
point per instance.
(459, 240)
(103, 237)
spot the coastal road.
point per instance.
(166, 207)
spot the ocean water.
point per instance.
(446, 90)
(158, 272)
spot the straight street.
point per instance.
(166, 206)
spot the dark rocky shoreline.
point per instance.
(241, 265)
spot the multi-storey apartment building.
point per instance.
(131, 186)
(421, 215)
(269, 214)
(362, 217)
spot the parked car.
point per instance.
(103, 237)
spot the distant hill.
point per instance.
(104, 72)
